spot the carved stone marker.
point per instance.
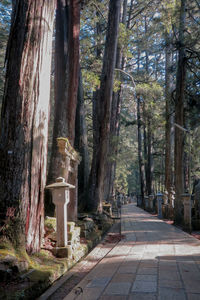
(60, 193)
(187, 211)
(159, 197)
(70, 162)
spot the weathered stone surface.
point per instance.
(70, 226)
(62, 252)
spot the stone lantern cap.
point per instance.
(60, 183)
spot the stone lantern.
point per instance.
(159, 197)
(60, 194)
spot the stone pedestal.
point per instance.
(159, 198)
(187, 211)
(60, 195)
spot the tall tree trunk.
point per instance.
(95, 120)
(179, 116)
(168, 113)
(74, 31)
(140, 154)
(149, 178)
(81, 146)
(66, 82)
(114, 124)
(60, 95)
(24, 120)
(104, 101)
(145, 146)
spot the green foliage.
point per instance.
(5, 12)
(168, 14)
(91, 80)
(124, 40)
(149, 91)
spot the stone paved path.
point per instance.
(155, 260)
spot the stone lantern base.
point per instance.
(62, 252)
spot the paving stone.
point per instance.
(147, 271)
(152, 250)
(128, 269)
(170, 283)
(144, 286)
(123, 277)
(114, 297)
(118, 288)
(146, 277)
(192, 286)
(149, 264)
(163, 275)
(99, 282)
(193, 296)
(142, 296)
(171, 294)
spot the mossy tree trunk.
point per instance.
(24, 119)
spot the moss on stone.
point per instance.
(46, 267)
(50, 223)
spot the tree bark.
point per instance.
(66, 77)
(149, 179)
(104, 100)
(74, 31)
(24, 120)
(66, 83)
(168, 114)
(114, 123)
(60, 128)
(179, 116)
(81, 146)
(140, 154)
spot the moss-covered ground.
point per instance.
(41, 269)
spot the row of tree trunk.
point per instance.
(25, 112)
